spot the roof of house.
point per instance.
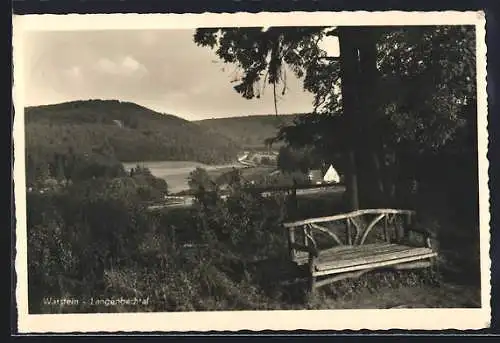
(331, 175)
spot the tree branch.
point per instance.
(330, 58)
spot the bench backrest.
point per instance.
(357, 226)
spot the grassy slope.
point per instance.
(376, 290)
(447, 295)
(458, 286)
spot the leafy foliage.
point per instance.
(426, 75)
(68, 166)
(200, 180)
(150, 187)
(136, 253)
(283, 179)
(298, 159)
(261, 53)
(245, 226)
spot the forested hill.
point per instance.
(248, 131)
(125, 130)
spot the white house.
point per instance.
(317, 177)
(331, 175)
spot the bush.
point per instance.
(245, 224)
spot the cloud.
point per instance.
(161, 69)
(74, 72)
(107, 66)
(130, 64)
(127, 66)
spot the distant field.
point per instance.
(177, 172)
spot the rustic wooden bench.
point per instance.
(351, 244)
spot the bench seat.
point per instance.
(347, 258)
(365, 240)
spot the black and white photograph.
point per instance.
(198, 172)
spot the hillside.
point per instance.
(248, 131)
(125, 130)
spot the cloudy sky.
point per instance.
(163, 70)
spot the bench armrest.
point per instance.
(426, 235)
(309, 249)
(423, 232)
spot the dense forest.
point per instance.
(127, 131)
(249, 131)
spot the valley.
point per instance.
(176, 173)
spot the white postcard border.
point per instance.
(246, 320)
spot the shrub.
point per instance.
(246, 224)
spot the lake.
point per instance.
(177, 172)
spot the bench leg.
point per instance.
(435, 270)
(312, 285)
(312, 278)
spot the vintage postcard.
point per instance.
(268, 171)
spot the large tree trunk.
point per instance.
(369, 163)
(376, 178)
(370, 180)
(349, 69)
(352, 182)
(359, 77)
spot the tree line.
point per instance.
(125, 131)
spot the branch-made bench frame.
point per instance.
(352, 257)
